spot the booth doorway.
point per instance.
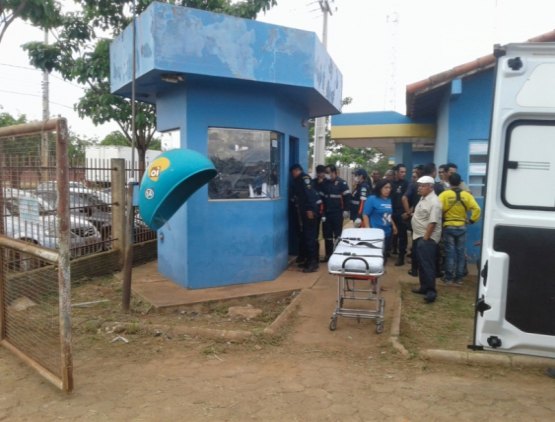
(294, 223)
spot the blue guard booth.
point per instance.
(241, 93)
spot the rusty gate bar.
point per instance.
(28, 128)
(46, 255)
(64, 274)
(53, 358)
(40, 252)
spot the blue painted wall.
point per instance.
(214, 243)
(404, 155)
(422, 157)
(442, 132)
(469, 117)
(234, 73)
(198, 44)
(469, 120)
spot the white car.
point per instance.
(25, 219)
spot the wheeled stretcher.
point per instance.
(358, 262)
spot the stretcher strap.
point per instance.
(354, 254)
(367, 243)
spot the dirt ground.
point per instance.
(307, 374)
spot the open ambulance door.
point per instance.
(515, 307)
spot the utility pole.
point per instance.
(321, 122)
(390, 94)
(130, 230)
(45, 116)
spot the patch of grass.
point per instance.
(133, 328)
(446, 324)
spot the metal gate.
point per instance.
(36, 242)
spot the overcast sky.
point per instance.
(377, 59)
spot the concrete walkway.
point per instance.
(163, 294)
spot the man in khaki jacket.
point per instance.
(426, 234)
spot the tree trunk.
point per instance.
(141, 152)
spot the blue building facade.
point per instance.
(467, 127)
(458, 107)
(240, 92)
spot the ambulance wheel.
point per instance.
(333, 324)
(379, 327)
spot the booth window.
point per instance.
(529, 167)
(247, 161)
(477, 163)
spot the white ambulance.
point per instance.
(515, 309)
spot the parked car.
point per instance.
(26, 218)
(50, 185)
(86, 207)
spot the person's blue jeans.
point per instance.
(454, 239)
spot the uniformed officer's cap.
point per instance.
(296, 167)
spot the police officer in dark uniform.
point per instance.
(319, 182)
(360, 194)
(398, 189)
(337, 201)
(307, 205)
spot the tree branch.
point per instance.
(15, 14)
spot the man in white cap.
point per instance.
(426, 234)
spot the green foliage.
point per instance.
(76, 149)
(6, 119)
(342, 155)
(41, 13)
(382, 165)
(81, 54)
(29, 145)
(119, 139)
(115, 138)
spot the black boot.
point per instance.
(400, 260)
(300, 260)
(312, 267)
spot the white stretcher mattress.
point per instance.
(359, 251)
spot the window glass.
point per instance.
(247, 161)
(477, 162)
(529, 168)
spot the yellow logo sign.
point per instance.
(157, 167)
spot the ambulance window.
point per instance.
(529, 167)
(248, 163)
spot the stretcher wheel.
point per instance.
(379, 327)
(333, 324)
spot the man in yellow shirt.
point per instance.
(456, 204)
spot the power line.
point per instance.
(38, 70)
(34, 95)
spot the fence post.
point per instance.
(2, 251)
(118, 207)
(64, 269)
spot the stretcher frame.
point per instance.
(357, 286)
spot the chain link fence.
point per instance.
(31, 317)
(37, 237)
